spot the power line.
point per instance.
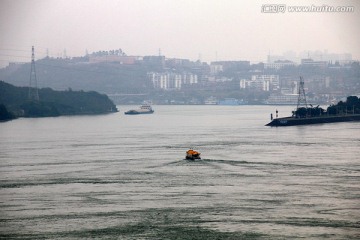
(8, 55)
(48, 65)
(2, 60)
(20, 50)
(74, 69)
(14, 50)
(66, 68)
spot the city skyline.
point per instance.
(289, 55)
(210, 30)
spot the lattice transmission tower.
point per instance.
(302, 97)
(33, 88)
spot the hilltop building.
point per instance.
(318, 55)
(154, 61)
(128, 60)
(308, 62)
(221, 66)
(279, 64)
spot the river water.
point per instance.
(125, 177)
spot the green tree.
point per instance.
(5, 114)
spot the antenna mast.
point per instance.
(302, 96)
(33, 89)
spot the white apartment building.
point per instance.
(175, 81)
(244, 83)
(287, 99)
(164, 81)
(261, 82)
(189, 78)
(216, 68)
(171, 81)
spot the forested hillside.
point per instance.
(61, 74)
(53, 103)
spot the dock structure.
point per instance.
(292, 121)
(304, 115)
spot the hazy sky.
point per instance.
(228, 29)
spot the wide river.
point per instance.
(124, 177)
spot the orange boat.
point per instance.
(192, 154)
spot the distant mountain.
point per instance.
(52, 103)
(79, 74)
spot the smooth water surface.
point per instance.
(122, 176)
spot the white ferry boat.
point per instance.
(144, 109)
(210, 101)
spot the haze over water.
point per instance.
(209, 30)
(119, 176)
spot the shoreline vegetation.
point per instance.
(350, 106)
(14, 103)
